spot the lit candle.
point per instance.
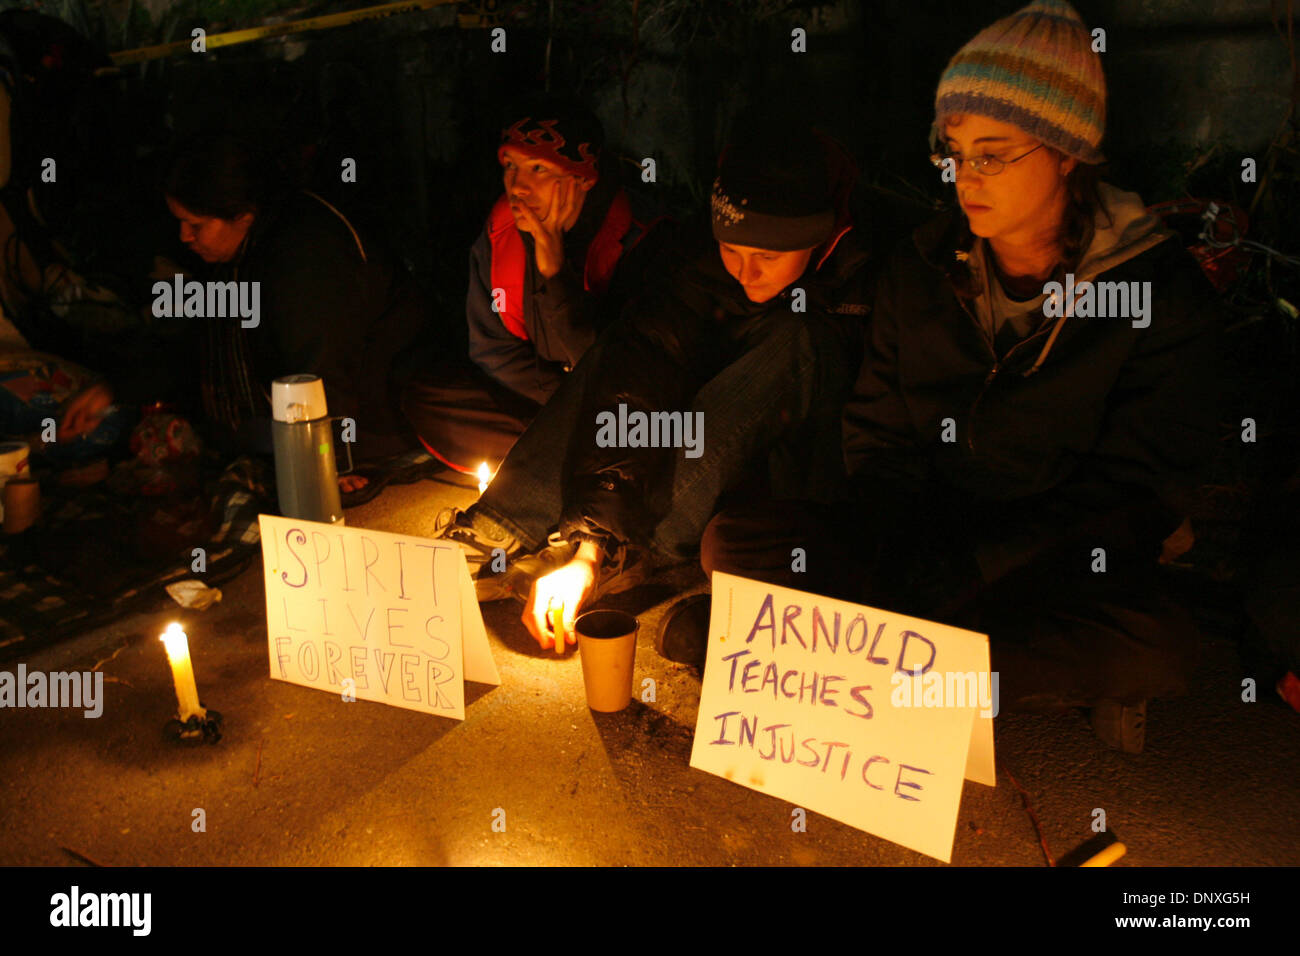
(484, 476)
(178, 654)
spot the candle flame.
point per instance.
(484, 476)
(175, 641)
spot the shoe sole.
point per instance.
(633, 576)
(491, 588)
(677, 654)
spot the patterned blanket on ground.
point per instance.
(95, 555)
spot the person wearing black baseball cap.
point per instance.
(1019, 463)
(747, 324)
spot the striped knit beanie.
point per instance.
(1036, 70)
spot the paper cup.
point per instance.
(13, 463)
(607, 645)
(22, 504)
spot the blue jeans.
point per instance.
(772, 414)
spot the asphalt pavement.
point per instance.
(533, 777)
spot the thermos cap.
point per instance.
(298, 398)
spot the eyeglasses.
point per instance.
(984, 165)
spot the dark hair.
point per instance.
(1081, 207)
(224, 176)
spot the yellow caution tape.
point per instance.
(215, 40)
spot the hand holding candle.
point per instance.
(558, 626)
(178, 655)
(554, 602)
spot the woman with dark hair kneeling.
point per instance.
(332, 303)
(1035, 402)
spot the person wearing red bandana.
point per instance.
(538, 272)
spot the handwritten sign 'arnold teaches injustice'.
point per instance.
(380, 616)
(812, 700)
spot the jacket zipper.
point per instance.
(993, 373)
(989, 344)
(998, 365)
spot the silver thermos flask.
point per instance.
(302, 434)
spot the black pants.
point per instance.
(463, 416)
(773, 418)
(1060, 634)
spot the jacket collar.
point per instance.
(940, 239)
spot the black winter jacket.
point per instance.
(671, 339)
(1106, 439)
(334, 304)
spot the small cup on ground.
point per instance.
(13, 463)
(22, 504)
(607, 645)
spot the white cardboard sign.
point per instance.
(393, 614)
(801, 700)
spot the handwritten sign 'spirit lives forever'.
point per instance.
(378, 610)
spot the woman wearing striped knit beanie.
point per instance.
(1037, 400)
(1027, 97)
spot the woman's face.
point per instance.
(764, 274)
(212, 238)
(1023, 202)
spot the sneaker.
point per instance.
(621, 571)
(683, 634)
(479, 545)
(1122, 726)
(518, 578)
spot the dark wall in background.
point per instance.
(416, 99)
